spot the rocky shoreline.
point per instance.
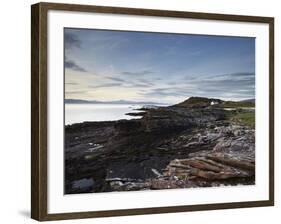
(196, 143)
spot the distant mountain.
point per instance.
(78, 101)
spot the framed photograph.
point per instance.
(140, 111)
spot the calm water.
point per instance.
(76, 113)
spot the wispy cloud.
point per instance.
(144, 72)
(141, 85)
(131, 83)
(71, 83)
(104, 85)
(145, 81)
(69, 64)
(235, 85)
(75, 92)
(235, 76)
(228, 82)
(71, 41)
(116, 79)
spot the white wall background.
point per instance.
(15, 111)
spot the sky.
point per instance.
(167, 68)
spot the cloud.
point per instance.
(75, 92)
(145, 81)
(238, 75)
(69, 64)
(141, 85)
(71, 83)
(71, 41)
(104, 85)
(144, 72)
(235, 86)
(234, 81)
(168, 92)
(131, 83)
(116, 79)
(172, 83)
(230, 76)
(223, 79)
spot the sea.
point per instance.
(77, 113)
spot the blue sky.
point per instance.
(167, 68)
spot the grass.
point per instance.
(245, 118)
(232, 104)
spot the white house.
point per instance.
(214, 103)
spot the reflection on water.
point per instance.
(76, 113)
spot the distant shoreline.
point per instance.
(121, 102)
(99, 111)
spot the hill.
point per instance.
(199, 102)
(203, 102)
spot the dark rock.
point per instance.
(192, 144)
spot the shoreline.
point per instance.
(179, 146)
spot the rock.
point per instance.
(234, 161)
(83, 184)
(115, 185)
(119, 184)
(156, 172)
(212, 166)
(165, 184)
(193, 144)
